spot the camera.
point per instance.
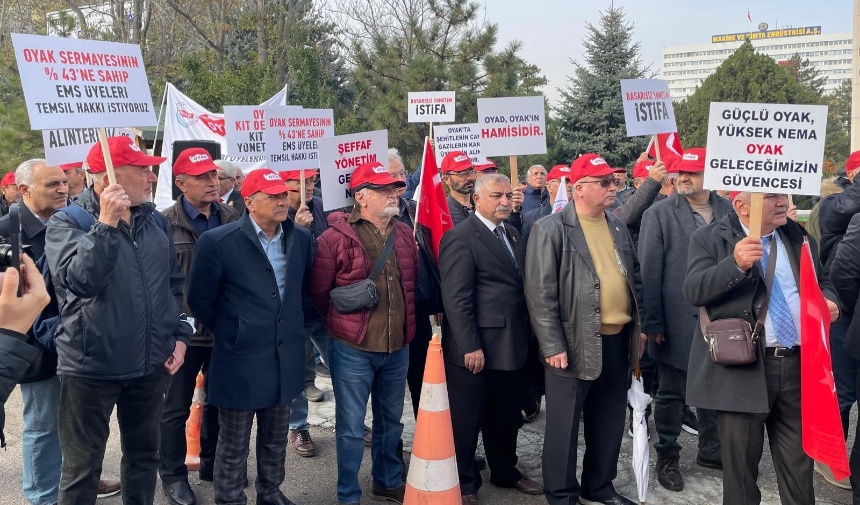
(12, 249)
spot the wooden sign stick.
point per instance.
(515, 176)
(302, 187)
(756, 204)
(431, 130)
(657, 148)
(106, 153)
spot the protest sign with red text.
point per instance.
(512, 126)
(82, 82)
(292, 136)
(340, 156)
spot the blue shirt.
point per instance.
(199, 220)
(274, 250)
(788, 285)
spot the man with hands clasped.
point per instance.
(119, 284)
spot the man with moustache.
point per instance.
(582, 285)
(254, 309)
(458, 173)
(369, 348)
(725, 276)
(486, 337)
(308, 213)
(197, 210)
(124, 329)
(668, 320)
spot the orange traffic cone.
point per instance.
(432, 478)
(192, 427)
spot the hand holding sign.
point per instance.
(114, 205)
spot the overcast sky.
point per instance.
(552, 30)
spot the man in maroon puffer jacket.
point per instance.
(369, 349)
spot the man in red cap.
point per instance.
(9, 194)
(553, 181)
(650, 185)
(77, 177)
(587, 362)
(369, 347)
(669, 320)
(254, 310)
(458, 172)
(308, 213)
(123, 327)
(196, 211)
(486, 168)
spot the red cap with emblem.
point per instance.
(263, 180)
(693, 160)
(194, 161)
(456, 161)
(374, 175)
(557, 172)
(590, 165)
(123, 151)
(295, 175)
(8, 179)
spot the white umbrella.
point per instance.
(639, 400)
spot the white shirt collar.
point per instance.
(226, 195)
(487, 222)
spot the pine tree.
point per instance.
(591, 116)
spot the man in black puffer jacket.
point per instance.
(123, 328)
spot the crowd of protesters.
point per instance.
(243, 279)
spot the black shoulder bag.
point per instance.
(732, 341)
(362, 295)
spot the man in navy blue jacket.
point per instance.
(254, 309)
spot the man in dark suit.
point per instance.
(668, 319)
(258, 352)
(486, 337)
(725, 276)
(228, 176)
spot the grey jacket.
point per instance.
(663, 244)
(562, 291)
(715, 282)
(123, 295)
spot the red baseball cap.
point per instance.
(557, 172)
(296, 175)
(642, 169)
(693, 160)
(456, 161)
(734, 194)
(373, 175)
(853, 161)
(8, 179)
(590, 165)
(263, 180)
(69, 166)
(123, 151)
(489, 165)
(194, 161)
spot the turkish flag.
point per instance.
(821, 425)
(670, 147)
(432, 210)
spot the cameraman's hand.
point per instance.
(18, 314)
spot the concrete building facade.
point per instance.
(687, 67)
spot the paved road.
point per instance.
(311, 481)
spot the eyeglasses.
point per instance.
(604, 183)
(470, 171)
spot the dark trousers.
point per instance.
(418, 354)
(854, 460)
(177, 404)
(844, 370)
(601, 405)
(85, 409)
(742, 437)
(485, 403)
(668, 415)
(231, 456)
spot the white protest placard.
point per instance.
(458, 137)
(647, 107)
(340, 155)
(292, 136)
(765, 148)
(244, 126)
(512, 126)
(431, 106)
(72, 145)
(87, 83)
